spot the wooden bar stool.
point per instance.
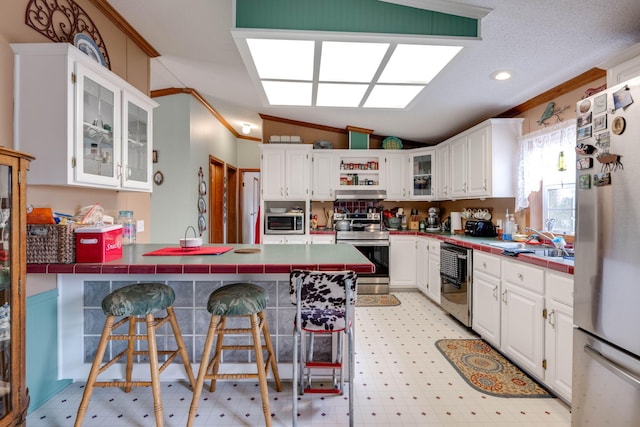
(140, 299)
(237, 300)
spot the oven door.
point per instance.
(376, 251)
(455, 283)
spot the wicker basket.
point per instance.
(51, 244)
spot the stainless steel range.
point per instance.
(366, 233)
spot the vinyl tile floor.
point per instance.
(401, 379)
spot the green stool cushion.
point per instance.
(138, 299)
(237, 299)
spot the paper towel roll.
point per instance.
(456, 221)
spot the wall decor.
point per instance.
(158, 178)
(622, 98)
(600, 123)
(618, 125)
(600, 104)
(550, 111)
(62, 21)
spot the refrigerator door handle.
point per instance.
(612, 366)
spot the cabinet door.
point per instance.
(479, 162)
(272, 169)
(137, 133)
(422, 166)
(486, 307)
(325, 176)
(434, 289)
(443, 171)
(402, 261)
(396, 179)
(323, 239)
(559, 333)
(296, 239)
(459, 161)
(522, 336)
(422, 264)
(98, 142)
(297, 174)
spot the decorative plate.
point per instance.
(392, 143)
(202, 205)
(618, 125)
(88, 47)
(321, 144)
(202, 188)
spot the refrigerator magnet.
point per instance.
(584, 182)
(584, 163)
(600, 179)
(618, 125)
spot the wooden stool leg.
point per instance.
(131, 344)
(262, 375)
(95, 368)
(153, 365)
(270, 353)
(184, 354)
(214, 365)
(204, 364)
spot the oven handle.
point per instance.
(364, 242)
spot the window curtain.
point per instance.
(539, 155)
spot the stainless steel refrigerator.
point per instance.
(606, 358)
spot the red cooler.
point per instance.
(98, 244)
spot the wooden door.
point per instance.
(232, 204)
(216, 200)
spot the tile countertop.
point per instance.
(482, 244)
(271, 259)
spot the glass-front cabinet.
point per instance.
(14, 398)
(422, 166)
(91, 127)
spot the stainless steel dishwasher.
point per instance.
(455, 281)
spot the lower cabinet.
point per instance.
(527, 313)
(323, 239)
(402, 262)
(296, 239)
(422, 264)
(434, 286)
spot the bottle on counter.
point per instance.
(125, 218)
(507, 227)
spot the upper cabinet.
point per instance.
(324, 179)
(93, 128)
(285, 171)
(396, 176)
(443, 171)
(422, 169)
(484, 159)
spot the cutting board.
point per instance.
(202, 250)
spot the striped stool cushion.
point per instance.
(138, 299)
(237, 299)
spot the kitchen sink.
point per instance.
(540, 250)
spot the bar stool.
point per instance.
(237, 300)
(325, 302)
(132, 301)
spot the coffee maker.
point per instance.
(433, 220)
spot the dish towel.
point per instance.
(516, 251)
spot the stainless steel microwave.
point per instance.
(284, 223)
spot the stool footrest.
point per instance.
(240, 331)
(322, 390)
(330, 365)
(241, 347)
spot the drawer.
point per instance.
(434, 246)
(486, 263)
(523, 275)
(560, 287)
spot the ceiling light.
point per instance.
(417, 63)
(501, 75)
(246, 128)
(392, 96)
(351, 62)
(283, 59)
(340, 94)
(288, 93)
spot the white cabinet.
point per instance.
(434, 286)
(522, 324)
(443, 171)
(422, 173)
(402, 262)
(422, 264)
(486, 296)
(396, 176)
(325, 179)
(559, 333)
(87, 126)
(283, 239)
(484, 160)
(285, 171)
(323, 239)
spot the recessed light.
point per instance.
(501, 75)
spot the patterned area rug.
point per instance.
(385, 300)
(488, 371)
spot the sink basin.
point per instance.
(540, 250)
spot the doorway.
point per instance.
(216, 200)
(249, 204)
(232, 203)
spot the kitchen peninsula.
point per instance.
(82, 286)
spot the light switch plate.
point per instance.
(140, 225)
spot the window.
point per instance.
(539, 165)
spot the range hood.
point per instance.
(361, 194)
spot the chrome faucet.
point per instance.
(557, 241)
(542, 233)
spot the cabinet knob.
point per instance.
(495, 292)
(484, 265)
(520, 276)
(550, 318)
(504, 296)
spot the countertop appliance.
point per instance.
(455, 281)
(606, 341)
(480, 228)
(367, 235)
(284, 223)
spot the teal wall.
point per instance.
(42, 344)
